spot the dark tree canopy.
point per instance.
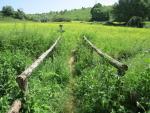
(99, 14)
(148, 5)
(7, 11)
(19, 14)
(126, 9)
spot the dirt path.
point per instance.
(70, 102)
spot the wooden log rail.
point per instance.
(16, 106)
(122, 68)
(22, 78)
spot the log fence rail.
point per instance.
(122, 68)
(22, 79)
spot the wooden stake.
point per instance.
(22, 78)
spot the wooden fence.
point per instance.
(122, 68)
(22, 79)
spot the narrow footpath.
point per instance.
(70, 102)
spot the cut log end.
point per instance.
(73, 52)
(22, 82)
(16, 106)
(122, 70)
(124, 67)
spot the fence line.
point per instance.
(22, 78)
(120, 66)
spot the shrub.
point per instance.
(44, 19)
(135, 21)
(55, 19)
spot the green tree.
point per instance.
(148, 5)
(98, 13)
(7, 11)
(126, 9)
(19, 14)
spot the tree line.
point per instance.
(82, 14)
(122, 11)
(128, 11)
(8, 11)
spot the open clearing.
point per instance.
(82, 83)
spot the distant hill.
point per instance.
(73, 15)
(82, 14)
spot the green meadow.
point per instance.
(94, 87)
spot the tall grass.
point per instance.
(97, 89)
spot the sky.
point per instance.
(41, 6)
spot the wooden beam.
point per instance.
(22, 78)
(120, 66)
(16, 106)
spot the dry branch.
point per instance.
(22, 78)
(16, 106)
(120, 66)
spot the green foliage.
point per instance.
(99, 14)
(57, 19)
(136, 22)
(126, 9)
(44, 19)
(7, 11)
(147, 25)
(0, 14)
(96, 88)
(72, 15)
(19, 14)
(11, 64)
(148, 5)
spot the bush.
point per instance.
(135, 21)
(44, 19)
(61, 20)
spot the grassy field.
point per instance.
(93, 86)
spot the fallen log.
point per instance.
(16, 106)
(120, 66)
(22, 78)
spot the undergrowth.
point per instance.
(97, 87)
